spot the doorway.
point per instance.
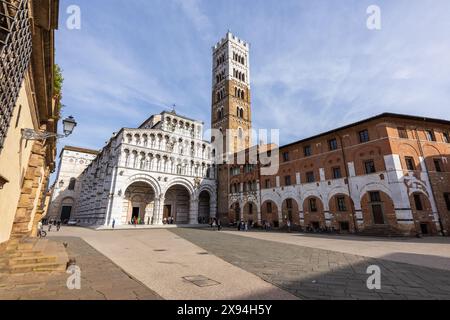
(424, 228)
(377, 212)
(167, 211)
(65, 213)
(135, 214)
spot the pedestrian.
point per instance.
(288, 223)
(39, 229)
(50, 227)
(219, 225)
(58, 225)
(114, 223)
(246, 226)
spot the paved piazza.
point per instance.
(189, 263)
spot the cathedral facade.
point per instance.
(161, 171)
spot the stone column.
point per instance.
(193, 212)
(158, 211)
(213, 209)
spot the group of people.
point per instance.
(53, 223)
(215, 223)
(168, 220)
(245, 225)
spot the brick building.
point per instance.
(388, 174)
(383, 175)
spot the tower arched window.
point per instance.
(241, 113)
(72, 184)
(243, 77)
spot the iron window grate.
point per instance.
(15, 55)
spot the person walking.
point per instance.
(50, 226)
(58, 225)
(114, 223)
(219, 225)
(288, 223)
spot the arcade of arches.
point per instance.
(377, 210)
(142, 206)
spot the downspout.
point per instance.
(352, 207)
(429, 180)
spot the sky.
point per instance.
(314, 65)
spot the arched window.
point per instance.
(72, 183)
(243, 77)
(241, 113)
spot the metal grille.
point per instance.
(15, 53)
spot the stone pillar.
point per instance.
(213, 209)
(280, 215)
(258, 214)
(158, 211)
(193, 212)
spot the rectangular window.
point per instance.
(369, 166)
(337, 173)
(402, 133)
(418, 202)
(286, 156)
(410, 163)
(438, 165)
(287, 180)
(364, 136)
(375, 196)
(307, 151)
(269, 207)
(310, 177)
(313, 205)
(341, 204)
(447, 200)
(267, 184)
(446, 137)
(332, 144)
(430, 135)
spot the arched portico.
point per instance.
(139, 203)
(177, 204)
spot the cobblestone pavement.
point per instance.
(101, 279)
(311, 273)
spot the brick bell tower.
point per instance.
(231, 111)
(231, 93)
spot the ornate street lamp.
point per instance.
(68, 125)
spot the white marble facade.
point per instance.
(161, 169)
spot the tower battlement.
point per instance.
(231, 37)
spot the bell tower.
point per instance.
(231, 111)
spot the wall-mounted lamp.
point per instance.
(68, 125)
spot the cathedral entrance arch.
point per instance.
(139, 203)
(177, 204)
(204, 207)
(66, 209)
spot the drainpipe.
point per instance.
(429, 180)
(352, 207)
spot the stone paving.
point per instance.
(101, 279)
(311, 273)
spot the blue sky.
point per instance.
(314, 64)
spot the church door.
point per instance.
(65, 213)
